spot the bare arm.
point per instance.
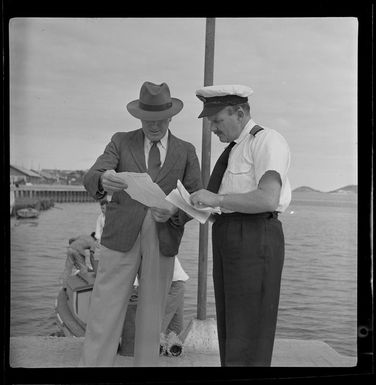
(264, 199)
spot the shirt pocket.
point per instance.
(240, 177)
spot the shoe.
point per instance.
(174, 347)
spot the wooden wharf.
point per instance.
(58, 193)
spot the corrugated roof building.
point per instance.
(22, 175)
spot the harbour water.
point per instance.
(319, 282)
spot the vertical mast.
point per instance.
(205, 172)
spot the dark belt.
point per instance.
(273, 214)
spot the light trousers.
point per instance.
(112, 289)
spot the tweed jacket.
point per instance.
(124, 215)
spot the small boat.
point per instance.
(27, 213)
(72, 305)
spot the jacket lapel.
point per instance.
(172, 157)
(136, 146)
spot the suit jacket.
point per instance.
(124, 215)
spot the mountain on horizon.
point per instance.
(351, 188)
(305, 189)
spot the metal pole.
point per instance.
(205, 172)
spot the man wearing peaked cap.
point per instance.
(215, 97)
(137, 239)
(250, 185)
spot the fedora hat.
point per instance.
(155, 103)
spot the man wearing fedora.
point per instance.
(249, 183)
(135, 238)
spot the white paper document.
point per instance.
(142, 189)
(180, 197)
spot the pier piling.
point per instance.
(58, 193)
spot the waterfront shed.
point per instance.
(22, 175)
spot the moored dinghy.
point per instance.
(27, 213)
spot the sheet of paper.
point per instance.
(186, 196)
(142, 189)
(176, 199)
(180, 198)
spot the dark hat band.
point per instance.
(226, 100)
(154, 107)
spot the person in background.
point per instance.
(99, 229)
(249, 183)
(77, 258)
(136, 238)
(100, 220)
(173, 320)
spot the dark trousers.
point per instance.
(248, 255)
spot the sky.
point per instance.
(71, 79)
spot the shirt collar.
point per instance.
(163, 141)
(248, 127)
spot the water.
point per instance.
(319, 282)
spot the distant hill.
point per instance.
(305, 189)
(351, 188)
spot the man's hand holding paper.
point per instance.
(112, 181)
(142, 189)
(162, 215)
(180, 197)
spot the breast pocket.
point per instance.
(241, 177)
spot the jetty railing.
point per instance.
(58, 193)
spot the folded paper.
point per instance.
(180, 197)
(142, 189)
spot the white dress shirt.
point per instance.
(179, 273)
(251, 157)
(99, 226)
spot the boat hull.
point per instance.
(72, 305)
(27, 213)
(67, 322)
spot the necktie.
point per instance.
(154, 161)
(219, 169)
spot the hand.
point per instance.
(202, 198)
(162, 215)
(111, 182)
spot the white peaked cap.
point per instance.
(215, 98)
(223, 90)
